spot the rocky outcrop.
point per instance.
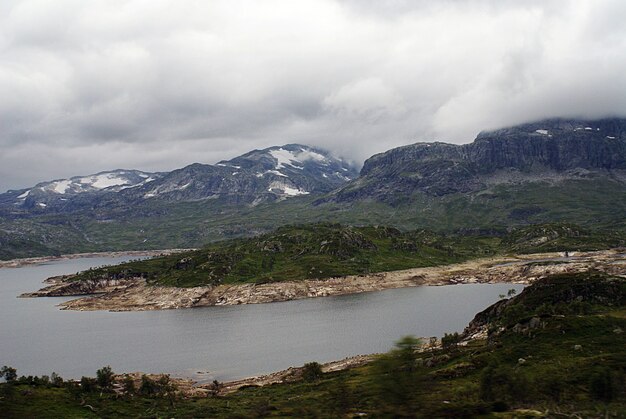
(602, 284)
(63, 286)
(137, 295)
(545, 150)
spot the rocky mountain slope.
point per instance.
(271, 174)
(63, 194)
(547, 151)
(267, 175)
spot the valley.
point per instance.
(508, 178)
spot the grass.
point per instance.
(573, 363)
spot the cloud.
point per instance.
(157, 84)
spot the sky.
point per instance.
(155, 85)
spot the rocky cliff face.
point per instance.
(546, 150)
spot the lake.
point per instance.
(222, 343)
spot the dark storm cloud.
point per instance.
(154, 85)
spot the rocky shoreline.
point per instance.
(18, 263)
(189, 388)
(136, 295)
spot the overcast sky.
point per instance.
(87, 85)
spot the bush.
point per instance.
(88, 384)
(311, 371)
(450, 340)
(148, 387)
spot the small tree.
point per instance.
(105, 377)
(9, 374)
(511, 292)
(399, 379)
(56, 379)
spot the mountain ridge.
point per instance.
(565, 148)
(274, 173)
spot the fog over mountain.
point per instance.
(153, 86)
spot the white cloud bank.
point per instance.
(156, 84)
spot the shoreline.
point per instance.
(136, 295)
(189, 387)
(19, 263)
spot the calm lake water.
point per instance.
(220, 343)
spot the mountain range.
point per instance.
(564, 170)
(268, 175)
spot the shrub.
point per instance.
(148, 387)
(88, 384)
(311, 371)
(450, 340)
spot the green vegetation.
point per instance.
(558, 349)
(301, 252)
(595, 204)
(328, 250)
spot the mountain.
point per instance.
(63, 193)
(547, 151)
(267, 175)
(565, 171)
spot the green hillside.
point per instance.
(326, 250)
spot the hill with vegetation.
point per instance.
(323, 250)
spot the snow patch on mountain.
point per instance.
(283, 188)
(61, 186)
(295, 158)
(105, 180)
